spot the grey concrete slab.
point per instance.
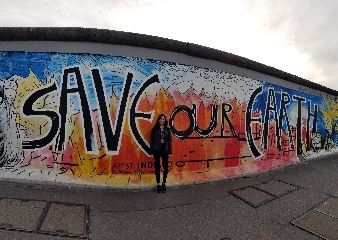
(101, 199)
(253, 196)
(202, 211)
(201, 220)
(269, 221)
(65, 220)
(21, 235)
(288, 207)
(276, 188)
(212, 219)
(20, 214)
(319, 224)
(318, 175)
(274, 231)
(329, 207)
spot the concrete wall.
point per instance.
(77, 106)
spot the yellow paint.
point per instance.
(331, 114)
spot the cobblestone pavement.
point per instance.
(295, 202)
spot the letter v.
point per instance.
(112, 136)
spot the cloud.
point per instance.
(57, 13)
(309, 26)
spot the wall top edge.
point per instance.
(78, 34)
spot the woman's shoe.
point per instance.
(163, 188)
(158, 189)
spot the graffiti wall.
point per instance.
(86, 118)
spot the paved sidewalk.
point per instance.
(296, 202)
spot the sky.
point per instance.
(296, 36)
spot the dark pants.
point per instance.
(164, 155)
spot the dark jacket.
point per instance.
(155, 140)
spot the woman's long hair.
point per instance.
(157, 124)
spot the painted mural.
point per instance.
(86, 118)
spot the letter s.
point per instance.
(28, 110)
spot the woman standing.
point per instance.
(160, 147)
